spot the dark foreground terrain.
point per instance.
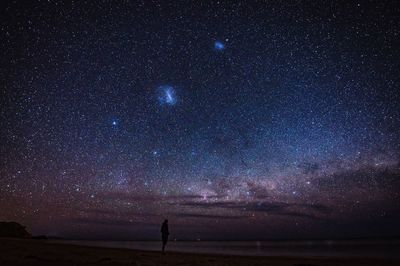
(38, 252)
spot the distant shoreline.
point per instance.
(396, 238)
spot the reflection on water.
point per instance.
(364, 248)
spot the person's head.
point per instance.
(166, 221)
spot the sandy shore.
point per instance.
(38, 252)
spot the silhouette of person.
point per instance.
(164, 234)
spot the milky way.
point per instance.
(238, 120)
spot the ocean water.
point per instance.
(327, 248)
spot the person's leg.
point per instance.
(163, 244)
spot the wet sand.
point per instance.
(38, 252)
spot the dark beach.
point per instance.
(38, 252)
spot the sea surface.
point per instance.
(326, 248)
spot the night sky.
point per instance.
(245, 120)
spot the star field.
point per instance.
(246, 120)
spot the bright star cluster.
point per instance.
(219, 46)
(167, 95)
(234, 120)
